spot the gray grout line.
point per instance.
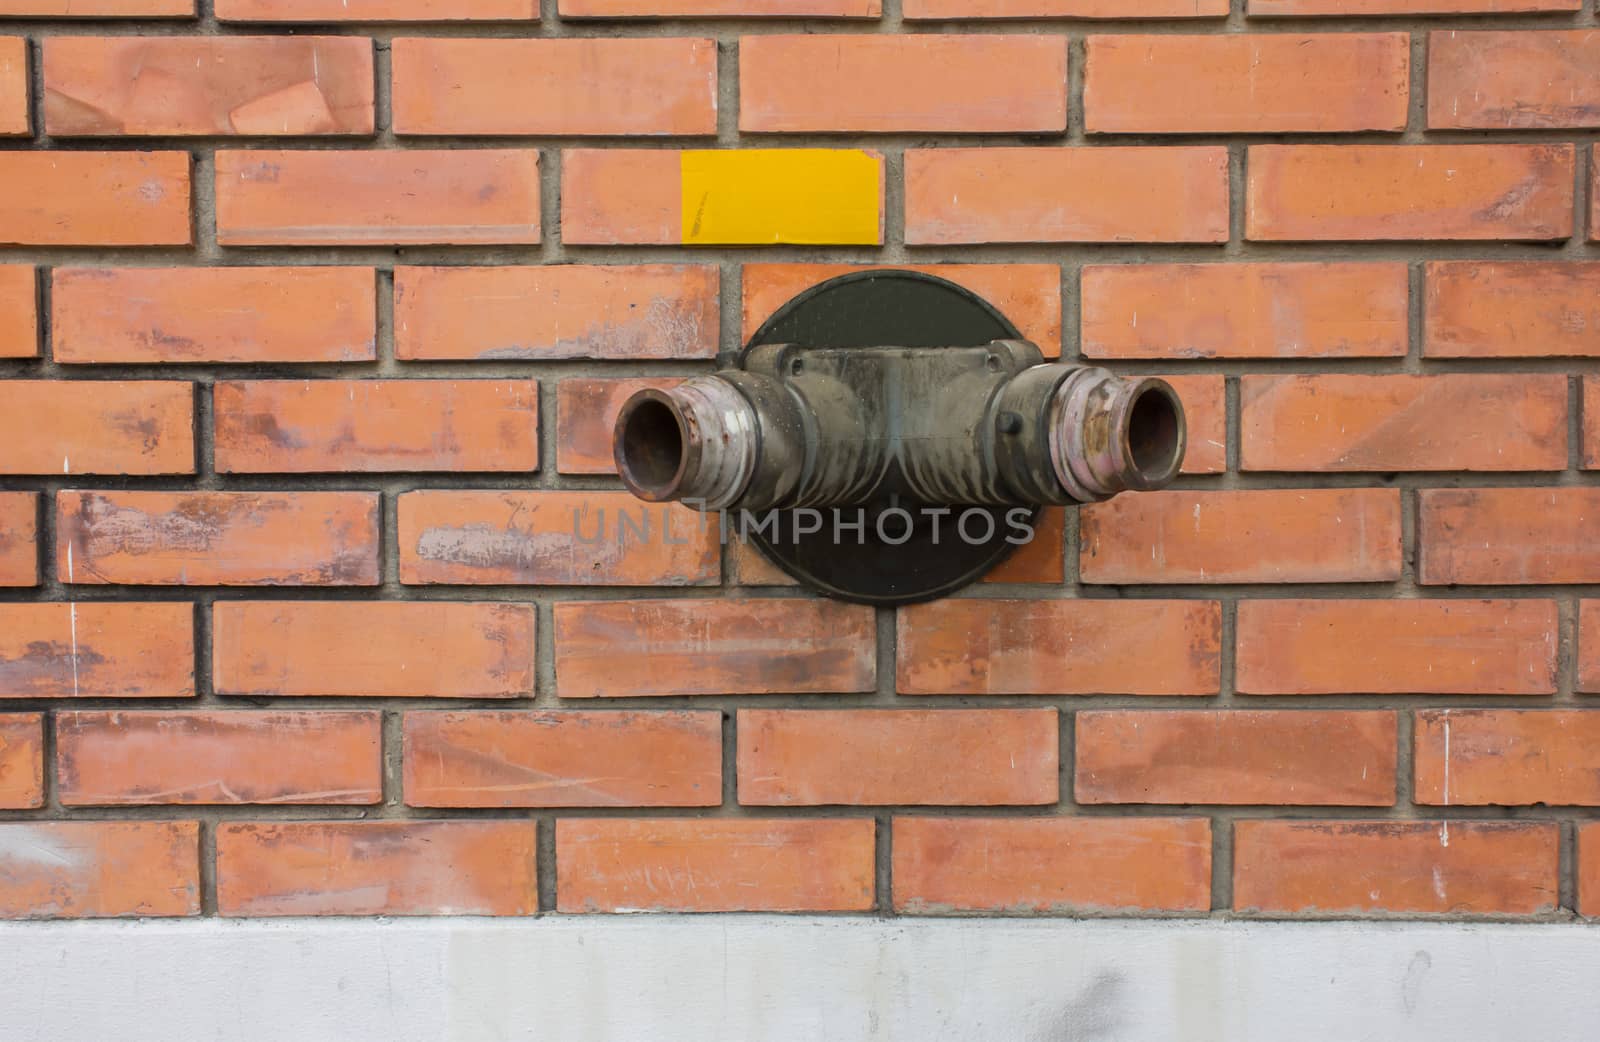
(383, 95)
(549, 24)
(1566, 696)
(545, 859)
(1574, 426)
(1580, 244)
(1238, 201)
(1567, 868)
(551, 248)
(976, 253)
(1416, 298)
(1410, 544)
(883, 856)
(1417, 109)
(1108, 811)
(1077, 71)
(1066, 766)
(1221, 863)
(544, 655)
(208, 861)
(392, 753)
(727, 97)
(894, 205)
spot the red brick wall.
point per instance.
(314, 313)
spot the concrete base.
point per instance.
(772, 979)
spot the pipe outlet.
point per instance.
(1110, 435)
(698, 442)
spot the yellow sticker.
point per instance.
(808, 196)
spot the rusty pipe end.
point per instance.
(1153, 434)
(1110, 435)
(695, 442)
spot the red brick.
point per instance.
(97, 8)
(876, 83)
(638, 86)
(1060, 647)
(311, 426)
(1293, 757)
(586, 412)
(1591, 423)
(1385, 192)
(1395, 867)
(563, 759)
(59, 198)
(14, 116)
(699, 865)
(1113, 9)
(376, 10)
(1500, 80)
(1071, 865)
(748, 566)
(405, 197)
(100, 427)
(554, 538)
(1250, 84)
(1424, 647)
(1305, 310)
(99, 869)
(19, 534)
(376, 868)
(881, 757)
(1040, 559)
(218, 538)
(1028, 295)
(623, 649)
(1131, 194)
(570, 311)
(19, 312)
(227, 757)
(100, 86)
(1507, 757)
(1498, 536)
(97, 649)
(21, 761)
(1516, 309)
(1267, 536)
(188, 315)
(1588, 869)
(1402, 422)
(630, 196)
(384, 649)
(720, 8)
(1589, 646)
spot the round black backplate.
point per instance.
(941, 555)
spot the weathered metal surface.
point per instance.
(905, 398)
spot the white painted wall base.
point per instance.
(771, 979)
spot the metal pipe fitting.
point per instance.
(697, 442)
(992, 425)
(1109, 435)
